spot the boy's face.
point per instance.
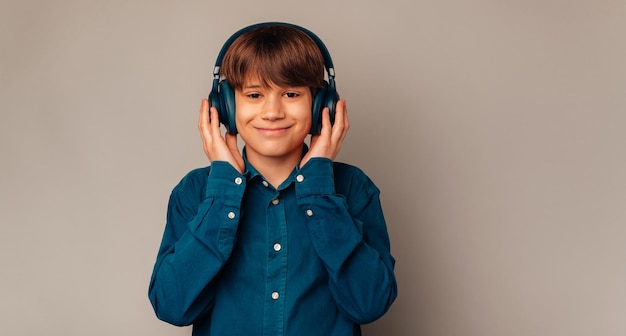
(273, 121)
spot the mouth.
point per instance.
(272, 131)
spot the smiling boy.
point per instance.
(279, 239)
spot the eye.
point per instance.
(291, 94)
(254, 95)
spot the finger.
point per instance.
(326, 126)
(215, 121)
(344, 109)
(203, 123)
(339, 127)
(204, 109)
(346, 121)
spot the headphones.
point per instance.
(222, 95)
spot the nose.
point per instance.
(272, 109)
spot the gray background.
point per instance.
(495, 130)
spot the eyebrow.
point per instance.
(254, 86)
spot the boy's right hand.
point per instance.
(216, 147)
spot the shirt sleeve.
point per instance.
(350, 236)
(202, 219)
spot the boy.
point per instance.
(279, 239)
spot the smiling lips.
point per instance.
(273, 131)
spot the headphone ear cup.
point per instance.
(331, 99)
(227, 102)
(214, 95)
(326, 96)
(319, 102)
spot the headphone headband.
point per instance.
(328, 62)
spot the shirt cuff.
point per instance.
(316, 177)
(225, 180)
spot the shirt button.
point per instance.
(275, 201)
(275, 295)
(265, 184)
(231, 215)
(277, 247)
(299, 178)
(309, 212)
(238, 180)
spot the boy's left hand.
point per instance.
(328, 143)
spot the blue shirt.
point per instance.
(240, 257)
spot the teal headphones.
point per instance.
(222, 95)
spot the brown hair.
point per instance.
(276, 54)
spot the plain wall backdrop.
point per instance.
(495, 130)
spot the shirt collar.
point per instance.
(251, 172)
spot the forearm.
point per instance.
(194, 251)
(180, 291)
(354, 248)
(361, 277)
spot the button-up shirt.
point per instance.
(240, 257)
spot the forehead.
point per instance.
(253, 80)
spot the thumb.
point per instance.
(231, 141)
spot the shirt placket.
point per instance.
(276, 273)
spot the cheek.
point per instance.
(304, 112)
(241, 105)
(242, 112)
(308, 118)
(241, 121)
